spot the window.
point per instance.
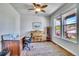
(58, 26)
(66, 26)
(70, 27)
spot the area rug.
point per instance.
(43, 49)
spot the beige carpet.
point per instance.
(43, 49)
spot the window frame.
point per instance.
(62, 26)
(75, 12)
(55, 19)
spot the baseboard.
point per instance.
(63, 48)
(39, 41)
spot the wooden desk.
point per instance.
(13, 46)
(21, 42)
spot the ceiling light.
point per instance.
(38, 9)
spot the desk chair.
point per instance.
(27, 42)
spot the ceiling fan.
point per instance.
(38, 8)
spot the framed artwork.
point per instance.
(36, 25)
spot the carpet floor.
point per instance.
(43, 49)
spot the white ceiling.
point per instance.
(22, 8)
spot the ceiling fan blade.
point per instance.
(43, 11)
(44, 6)
(31, 9)
(34, 4)
(38, 5)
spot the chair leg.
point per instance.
(28, 47)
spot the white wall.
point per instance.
(72, 47)
(27, 19)
(9, 20)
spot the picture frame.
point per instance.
(36, 25)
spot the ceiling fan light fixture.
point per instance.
(38, 9)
